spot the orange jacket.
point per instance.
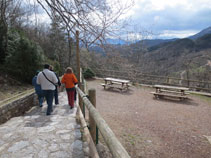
(69, 80)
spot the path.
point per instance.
(36, 135)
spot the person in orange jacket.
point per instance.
(70, 81)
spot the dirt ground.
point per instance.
(156, 128)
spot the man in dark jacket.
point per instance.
(38, 89)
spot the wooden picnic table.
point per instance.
(170, 91)
(116, 83)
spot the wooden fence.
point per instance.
(143, 78)
(115, 147)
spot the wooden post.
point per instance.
(78, 57)
(78, 67)
(167, 81)
(87, 137)
(92, 124)
(116, 148)
(81, 100)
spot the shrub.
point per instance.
(24, 57)
(88, 73)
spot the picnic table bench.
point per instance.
(116, 83)
(170, 91)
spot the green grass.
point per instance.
(205, 98)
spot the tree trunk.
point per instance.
(69, 47)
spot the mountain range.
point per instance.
(171, 57)
(190, 56)
(154, 42)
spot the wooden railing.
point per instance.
(115, 147)
(143, 78)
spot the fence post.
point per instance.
(92, 124)
(167, 81)
(80, 99)
(78, 58)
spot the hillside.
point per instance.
(201, 33)
(10, 87)
(184, 58)
(156, 42)
(177, 56)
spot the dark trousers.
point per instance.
(70, 96)
(49, 98)
(56, 96)
(75, 95)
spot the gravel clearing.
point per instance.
(156, 128)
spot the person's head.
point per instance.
(69, 70)
(37, 72)
(46, 66)
(51, 67)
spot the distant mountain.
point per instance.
(203, 42)
(172, 57)
(154, 42)
(117, 41)
(201, 37)
(201, 33)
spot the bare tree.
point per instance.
(94, 19)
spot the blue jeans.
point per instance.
(40, 98)
(49, 98)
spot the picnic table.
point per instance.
(170, 91)
(116, 83)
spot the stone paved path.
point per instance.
(36, 135)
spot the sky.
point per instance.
(164, 19)
(171, 18)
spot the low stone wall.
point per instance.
(17, 107)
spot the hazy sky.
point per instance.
(172, 18)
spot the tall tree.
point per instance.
(11, 16)
(57, 39)
(94, 19)
(3, 29)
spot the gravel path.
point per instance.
(151, 128)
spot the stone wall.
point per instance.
(17, 107)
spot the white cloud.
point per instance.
(41, 18)
(179, 17)
(170, 18)
(177, 34)
(153, 5)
